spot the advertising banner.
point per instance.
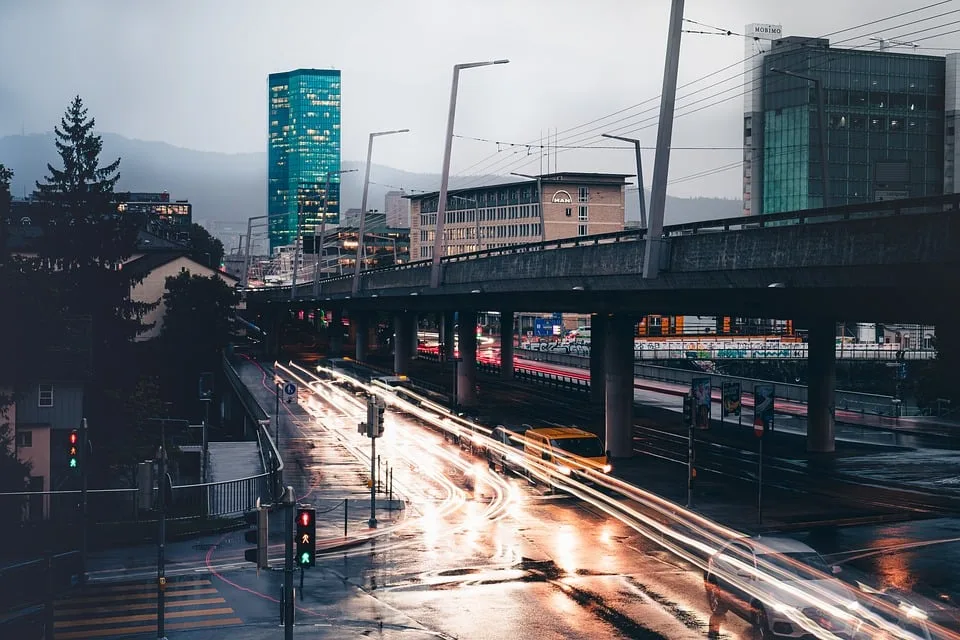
(730, 392)
(763, 397)
(702, 401)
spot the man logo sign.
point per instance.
(561, 197)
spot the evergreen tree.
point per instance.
(205, 249)
(85, 243)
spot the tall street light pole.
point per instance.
(363, 206)
(445, 172)
(821, 125)
(636, 146)
(661, 162)
(318, 251)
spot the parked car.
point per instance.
(733, 582)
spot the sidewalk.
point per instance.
(319, 466)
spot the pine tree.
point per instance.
(86, 240)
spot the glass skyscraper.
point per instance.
(304, 145)
(884, 115)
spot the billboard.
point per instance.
(763, 398)
(730, 405)
(700, 391)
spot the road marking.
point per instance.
(144, 617)
(138, 596)
(140, 606)
(118, 631)
(140, 586)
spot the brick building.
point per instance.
(548, 207)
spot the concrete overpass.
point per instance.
(896, 261)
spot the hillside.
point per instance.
(232, 187)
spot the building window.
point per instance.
(581, 229)
(45, 395)
(24, 439)
(582, 213)
(584, 194)
(569, 211)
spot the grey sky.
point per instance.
(193, 73)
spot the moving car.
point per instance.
(775, 583)
(572, 450)
(509, 456)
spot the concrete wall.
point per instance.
(154, 285)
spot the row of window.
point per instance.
(515, 212)
(523, 195)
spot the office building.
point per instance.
(303, 150)
(397, 208)
(549, 207)
(176, 216)
(885, 117)
(385, 246)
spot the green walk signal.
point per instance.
(305, 559)
(73, 463)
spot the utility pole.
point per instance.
(162, 537)
(661, 164)
(643, 199)
(84, 463)
(289, 504)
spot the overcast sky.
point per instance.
(193, 73)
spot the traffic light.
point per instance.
(258, 536)
(378, 410)
(688, 410)
(306, 537)
(73, 450)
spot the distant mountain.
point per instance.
(232, 187)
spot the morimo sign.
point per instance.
(561, 197)
(766, 31)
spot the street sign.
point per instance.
(289, 391)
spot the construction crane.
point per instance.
(885, 44)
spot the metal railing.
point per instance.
(867, 210)
(797, 351)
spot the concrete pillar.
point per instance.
(598, 341)
(414, 335)
(361, 330)
(822, 376)
(335, 331)
(449, 342)
(506, 344)
(467, 366)
(618, 387)
(401, 343)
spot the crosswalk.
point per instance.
(119, 609)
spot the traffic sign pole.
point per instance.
(288, 604)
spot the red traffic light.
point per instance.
(304, 518)
(73, 437)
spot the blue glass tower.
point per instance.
(304, 123)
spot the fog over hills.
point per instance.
(232, 187)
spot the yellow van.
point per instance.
(572, 450)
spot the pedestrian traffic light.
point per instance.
(73, 450)
(378, 410)
(687, 410)
(258, 536)
(306, 537)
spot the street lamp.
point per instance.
(543, 227)
(363, 204)
(445, 173)
(636, 145)
(821, 124)
(246, 266)
(318, 252)
(276, 412)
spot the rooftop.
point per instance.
(565, 177)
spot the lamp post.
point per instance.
(363, 205)
(246, 266)
(276, 412)
(543, 227)
(318, 251)
(445, 172)
(636, 146)
(821, 125)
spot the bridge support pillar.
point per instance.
(448, 342)
(402, 349)
(598, 341)
(361, 330)
(822, 376)
(335, 334)
(506, 344)
(466, 366)
(618, 391)
(414, 336)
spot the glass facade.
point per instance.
(304, 144)
(884, 117)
